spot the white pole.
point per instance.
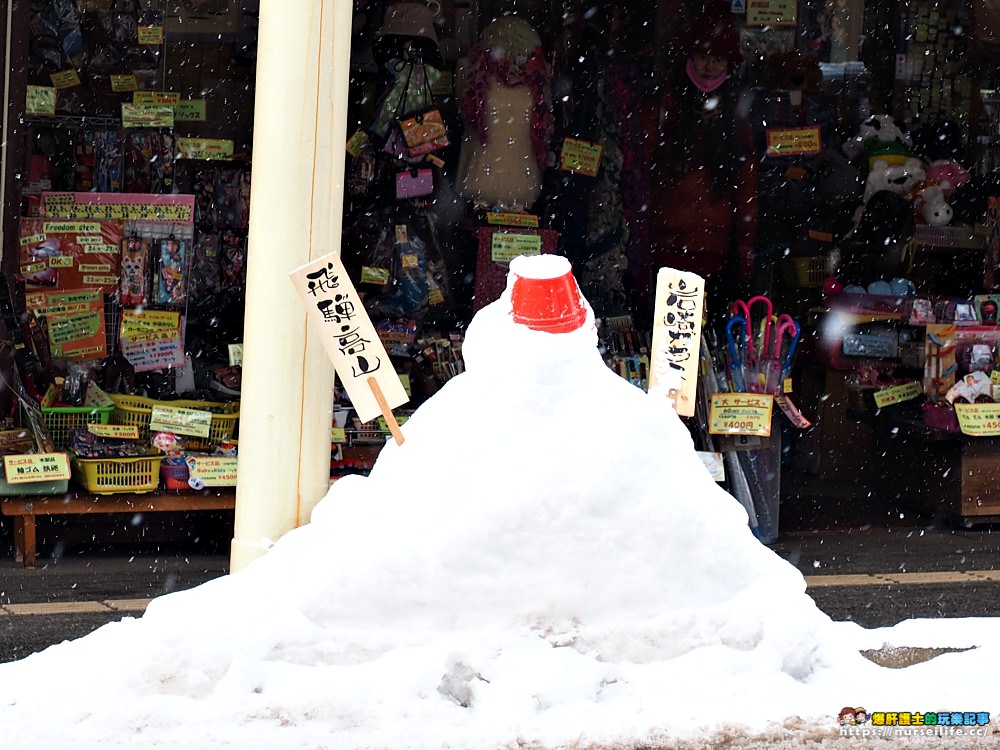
(296, 202)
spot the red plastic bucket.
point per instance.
(553, 304)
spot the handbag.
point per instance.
(418, 132)
(414, 182)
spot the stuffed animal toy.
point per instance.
(933, 207)
(880, 136)
(901, 179)
(948, 171)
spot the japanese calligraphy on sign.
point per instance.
(677, 337)
(348, 335)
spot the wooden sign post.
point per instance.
(350, 340)
(677, 316)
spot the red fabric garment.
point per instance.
(692, 227)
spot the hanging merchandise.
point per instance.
(423, 130)
(109, 161)
(161, 178)
(368, 251)
(232, 261)
(170, 287)
(228, 187)
(204, 278)
(133, 287)
(203, 189)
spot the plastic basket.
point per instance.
(106, 476)
(60, 421)
(138, 410)
(955, 237)
(175, 476)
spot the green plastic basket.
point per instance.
(60, 421)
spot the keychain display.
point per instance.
(170, 288)
(232, 260)
(133, 288)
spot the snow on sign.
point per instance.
(677, 337)
(349, 337)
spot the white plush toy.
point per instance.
(901, 178)
(875, 129)
(933, 206)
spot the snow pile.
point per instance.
(544, 561)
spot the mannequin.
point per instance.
(504, 85)
(701, 166)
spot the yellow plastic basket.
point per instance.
(138, 411)
(106, 476)
(60, 421)
(806, 273)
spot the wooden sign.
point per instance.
(350, 339)
(677, 316)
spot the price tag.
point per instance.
(793, 141)
(190, 110)
(236, 355)
(338, 435)
(740, 414)
(581, 157)
(150, 35)
(212, 471)
(123, 83)
(181, 421)
(65, 79)
(979, 420)
(40, 100)
(512, 219)
(355, 142)
(790, 410)
(898, 393)
(505, 246)
(205, 149)
(156, 98)
(114, 431)
(36, 467)
(379, 276)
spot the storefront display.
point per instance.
(796, 170)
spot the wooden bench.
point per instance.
(23, 510)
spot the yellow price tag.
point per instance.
(36, 467)
(979, 420)
(741, 414)
(581, 157)
(181, 421)
(512, 219)
(505, 246)
(213, 471)
(793, 141)
(114, 431)
(338, 435)
(898, 393)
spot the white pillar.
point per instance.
(296, 205)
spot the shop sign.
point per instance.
(212, 471)
(123, 83)
(979, 420)
(65, 79)
(40, 100)
(581, 157)
(180, 420)
(898, 393)
(772, 13)
(156, 98)
(114, 431)
(677, 313)
(151, 35)
(205, 149)
(190, 110)
(793, 141)
(505, 246)
(741, 414)
(150, 208)
(36, 467)
(349, 337)
(135, 116)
